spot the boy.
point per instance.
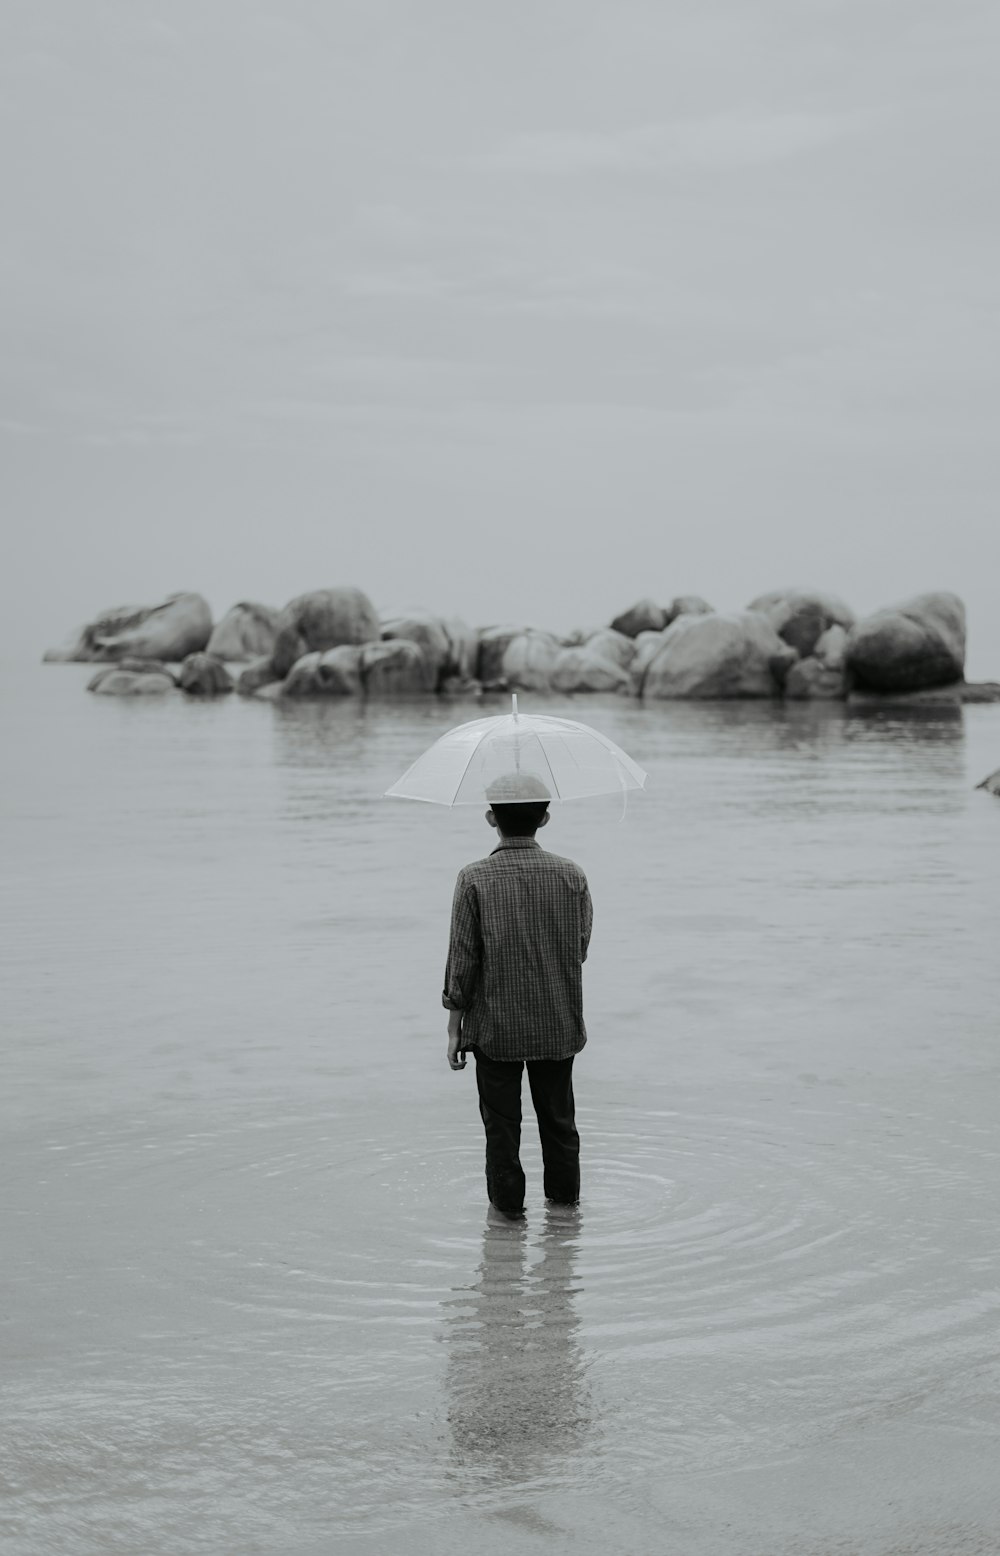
(520, 928)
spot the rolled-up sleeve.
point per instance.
(586, 921)
(465, 948)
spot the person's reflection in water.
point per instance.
(518, 1397)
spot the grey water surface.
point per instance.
(251, 1300)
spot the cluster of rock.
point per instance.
(330, 643)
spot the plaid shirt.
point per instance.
(520, 927)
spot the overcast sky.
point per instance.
(519, 311)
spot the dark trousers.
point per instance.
(551, 1083)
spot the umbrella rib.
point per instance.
(555, 783)
(465, 769)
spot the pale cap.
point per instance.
(516, 788)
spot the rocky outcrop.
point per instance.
(802, 616)
(463, 650)
(180, 625)
(647, 646)
(821, 674)
(644, 616)
(256, 676)
(831, 647)
(334, 673)
(991, 784)
(322, 619)
(429, 633)
(688, 605)
(80, 647)
(909, 647)
(716, 656)
(802, 643)
(247, 631)
(810, 678)
(204, 676)
(396, 669)
(585, 670)
(528, 661)
(493, 644)
(981, 691)
(340, 671)
(134, 679)
(609, 644)
(302, 679)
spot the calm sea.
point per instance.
(250, 1298)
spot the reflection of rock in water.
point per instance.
(517, 1392)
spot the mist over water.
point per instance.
(252, 1299)
(511, 320)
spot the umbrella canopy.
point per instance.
(525, 756)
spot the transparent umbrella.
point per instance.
(518, 756)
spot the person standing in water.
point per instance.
(520, 928)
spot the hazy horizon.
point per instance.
(508, 316)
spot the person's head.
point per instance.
(519, 804)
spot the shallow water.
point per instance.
(252, 1301)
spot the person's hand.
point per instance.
(456, 1053)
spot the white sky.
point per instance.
(517, 311)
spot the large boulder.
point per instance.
(821, 674)
(585, 670)
(463, 650)
(256, 676)
(831, 647)
(493, 643)
(529, 660)
(396, 669)
(80, 647)
(647, 646)
(204, 676)
(687, 605)
(134, 680)
(322, 619)
(644, 616)
(247, 631)
(429, 633)
(180, 625)
(335, 673)
(981, 691)
(606, 643)
(811, 678)
(714, 656)
(909, 647)
(802, 616)
(340, 671)
(302, 678)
